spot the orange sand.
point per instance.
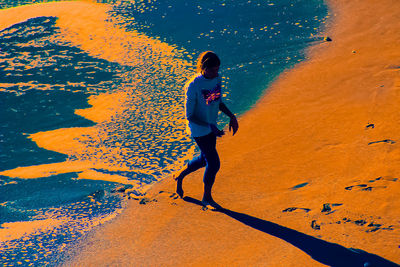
(310, 128)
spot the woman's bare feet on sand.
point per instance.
(178, 178)
(210, 202)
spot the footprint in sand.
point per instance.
(171, 195)
(367, 186)
(295, 208)
(327, 208)
(299, 186)
(371, 227)
(145, 200)
(389, 141)
(363, 186)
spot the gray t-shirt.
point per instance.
(203, 97)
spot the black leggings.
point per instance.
(208, 158)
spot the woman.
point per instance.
(202, 103)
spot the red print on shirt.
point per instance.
(212, 95)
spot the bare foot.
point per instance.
(179, 189)
(177, 177)
(210, 202)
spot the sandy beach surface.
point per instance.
(312, 177)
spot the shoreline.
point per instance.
(312, 151)
(51, 139)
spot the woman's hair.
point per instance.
(207, 59)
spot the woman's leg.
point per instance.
(193, 165)
(207, 146)
(208, 158)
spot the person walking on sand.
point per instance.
(203, 101)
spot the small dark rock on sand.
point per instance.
(327, 39)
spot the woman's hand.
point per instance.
(216, 131)
(233, 124)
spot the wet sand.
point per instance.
(313, 171)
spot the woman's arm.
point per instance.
(225, 110)
(233, 123)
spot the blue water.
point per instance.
(256, 41)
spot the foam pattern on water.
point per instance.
(136, 101)
(51, 213)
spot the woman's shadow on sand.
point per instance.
(322, 251)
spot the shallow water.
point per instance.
(92, 97)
